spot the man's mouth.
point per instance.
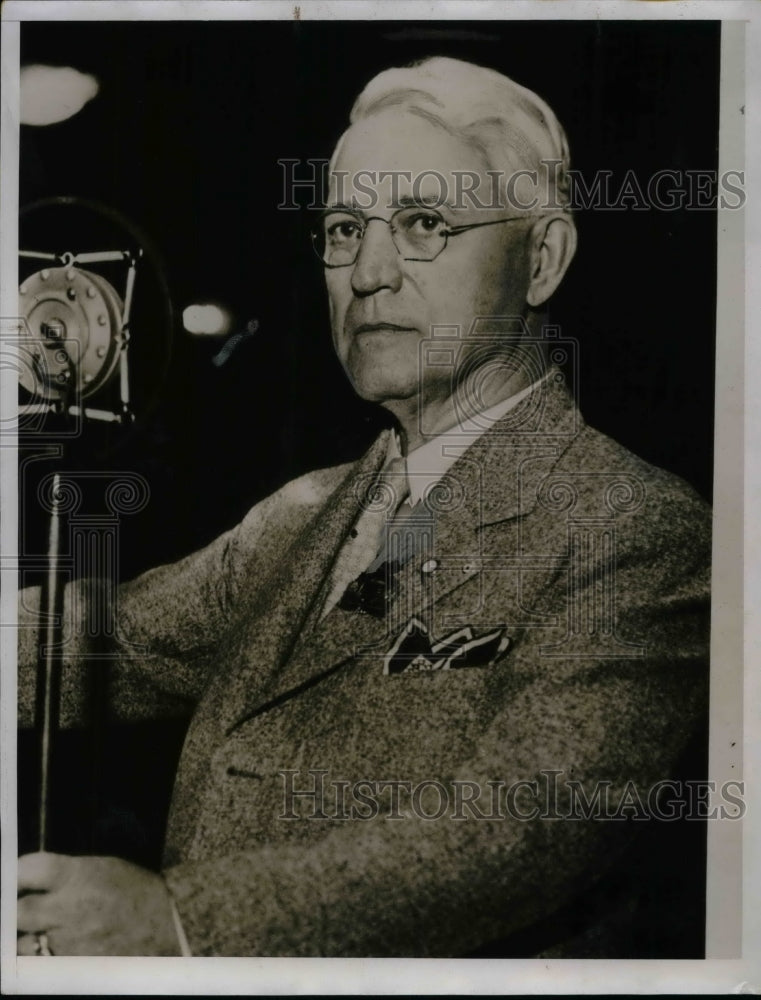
(381, 327)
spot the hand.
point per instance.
(93, 906)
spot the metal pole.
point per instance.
(124, 390)
(50, 661)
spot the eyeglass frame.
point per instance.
(449, 231)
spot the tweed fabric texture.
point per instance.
(597, 567)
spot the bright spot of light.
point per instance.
(51, 94)
(206, 319)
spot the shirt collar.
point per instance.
(430, 461)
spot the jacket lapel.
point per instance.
(259, 643)
(263, 637)
(494, 479)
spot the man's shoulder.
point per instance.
(295, 502)
(628, 484)
(593, 451)
(313, 488)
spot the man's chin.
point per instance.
(375, 387)
(376, 378)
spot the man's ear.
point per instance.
(553, 246)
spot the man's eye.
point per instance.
(343, 230)
(423, 223)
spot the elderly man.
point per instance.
(427, 689)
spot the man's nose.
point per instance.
(378, 262)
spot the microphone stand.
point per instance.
(96, 327)
(49, 664)
(52, 597)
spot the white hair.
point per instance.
(510, 126)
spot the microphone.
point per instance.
(75, 333)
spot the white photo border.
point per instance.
(734, 884)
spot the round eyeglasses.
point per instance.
(418, 234)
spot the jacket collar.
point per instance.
(429, 462)
(500, 471)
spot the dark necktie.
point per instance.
(370, 533)
(407, 534)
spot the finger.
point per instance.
(27, 944)
(35, 913)
(41, 871)
(34, 944)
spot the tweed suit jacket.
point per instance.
(590, 571)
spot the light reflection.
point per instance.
(51, 94)
(206, 319)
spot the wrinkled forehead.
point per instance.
(397, 154)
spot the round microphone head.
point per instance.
(73, 323)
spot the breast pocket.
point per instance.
(415, 650)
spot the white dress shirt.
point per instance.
(425, 466)
(427, 463)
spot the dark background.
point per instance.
(184, 140)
